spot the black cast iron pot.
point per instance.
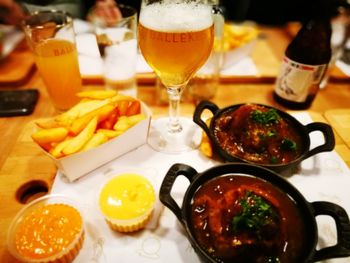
(303, 130)
(307, 210)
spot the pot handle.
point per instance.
(328, 136)
(205, 104)
(342, 248)
(168, 182)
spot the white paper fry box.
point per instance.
(76, 165)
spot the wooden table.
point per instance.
(22, 164)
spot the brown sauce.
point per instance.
(257, 134)
(245, 219)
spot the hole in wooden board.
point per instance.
(31, 191)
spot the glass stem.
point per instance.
(174, 94)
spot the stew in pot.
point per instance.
(239, 218)
(257, 134)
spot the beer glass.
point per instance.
(51, 37)
(176, 39)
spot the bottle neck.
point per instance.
(312, 44)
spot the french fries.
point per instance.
(56, 151)
(110, 134)
(101, 115)
(97, 94)
(50, 135)
(235, 36)
(96, 140)
(81, 139)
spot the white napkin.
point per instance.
(82, 26)
(90, 61)
(324, 177)
(345, 68)
(142, 66)
(243, 67)
(12, 37)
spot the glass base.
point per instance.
(163, 141)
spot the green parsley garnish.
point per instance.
(271, 134)
(268, 117)
(274, 160)
(255, 214)
(288, 145)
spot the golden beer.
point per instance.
(175, 52)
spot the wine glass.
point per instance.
(176, 39)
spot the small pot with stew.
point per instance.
(261, 134)
(244, 213)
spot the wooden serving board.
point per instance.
(262, 55)
(340, 121)
(266, 62)
(26, 174)
(17, 67)
(341, 147)
(337, 75)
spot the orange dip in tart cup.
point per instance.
(49, 229)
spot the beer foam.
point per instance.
(172, 17)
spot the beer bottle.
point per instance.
(306, 60)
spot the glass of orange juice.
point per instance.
(50, 35)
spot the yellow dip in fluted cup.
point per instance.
(127, 202)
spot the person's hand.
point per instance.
(10, 12)
(107, 10)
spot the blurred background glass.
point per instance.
(117, 43)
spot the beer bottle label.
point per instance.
(296, 80)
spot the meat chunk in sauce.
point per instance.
(257, 134)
